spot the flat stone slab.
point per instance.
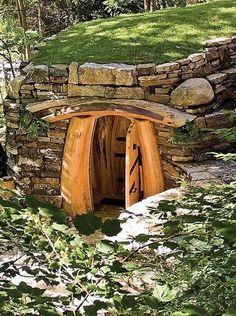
(216, 78)
(212, 170)
(108, 74)
(218, 41)
(153, 110)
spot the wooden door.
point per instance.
(152, 175)
(76, 186)
(132, 172)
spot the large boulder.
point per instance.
(194, 91)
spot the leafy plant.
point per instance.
(189, 265)
(187, 134)
(225, 157)
(115, 7)
(229, 134)
(32, 124)
(14, 41)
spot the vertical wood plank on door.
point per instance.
(75, 177)
(103, 182)
(118, 146)
(132, 172)
(153, 181)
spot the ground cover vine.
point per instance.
(187, 269)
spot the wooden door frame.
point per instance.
(77, 152)
(75, 184)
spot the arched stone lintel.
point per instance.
(56, 110)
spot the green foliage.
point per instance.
(55, 15)
(205, 275)
(88, 224)
(111, 227)
(228, 134)
(187, 134)
(115, 7)
(14, 40)
(225, 157)
(186, 269)
(48, 17)
(32, 124)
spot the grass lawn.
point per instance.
(149, 37)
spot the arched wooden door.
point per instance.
(152, 175)
(75, 176)
(143, 172)
(133, 165)
(144, 176)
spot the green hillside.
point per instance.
(150, 37)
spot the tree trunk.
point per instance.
(40, 19)
(153, 5)
(147, 5)
(23, 22)
(22, 14)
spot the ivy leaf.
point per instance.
(164, 293)
(167, 206)
(118, 267)
(3, 296)
(33, 291)
(111, 227)
(29, 270)
(59, 227)
(228, 232)
(58, 215)
(33, 202)
(143, 237)
(128, 301)
(87, 224)
(45, 311)
(9, 204)
(171, 245)
(193, 310)
(150, 301)
(106, 246)
(92, 310)
(193, 218)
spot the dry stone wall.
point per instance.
(198, 85)
(35, 165)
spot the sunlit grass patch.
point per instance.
(149, 37)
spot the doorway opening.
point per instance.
(109, 158)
